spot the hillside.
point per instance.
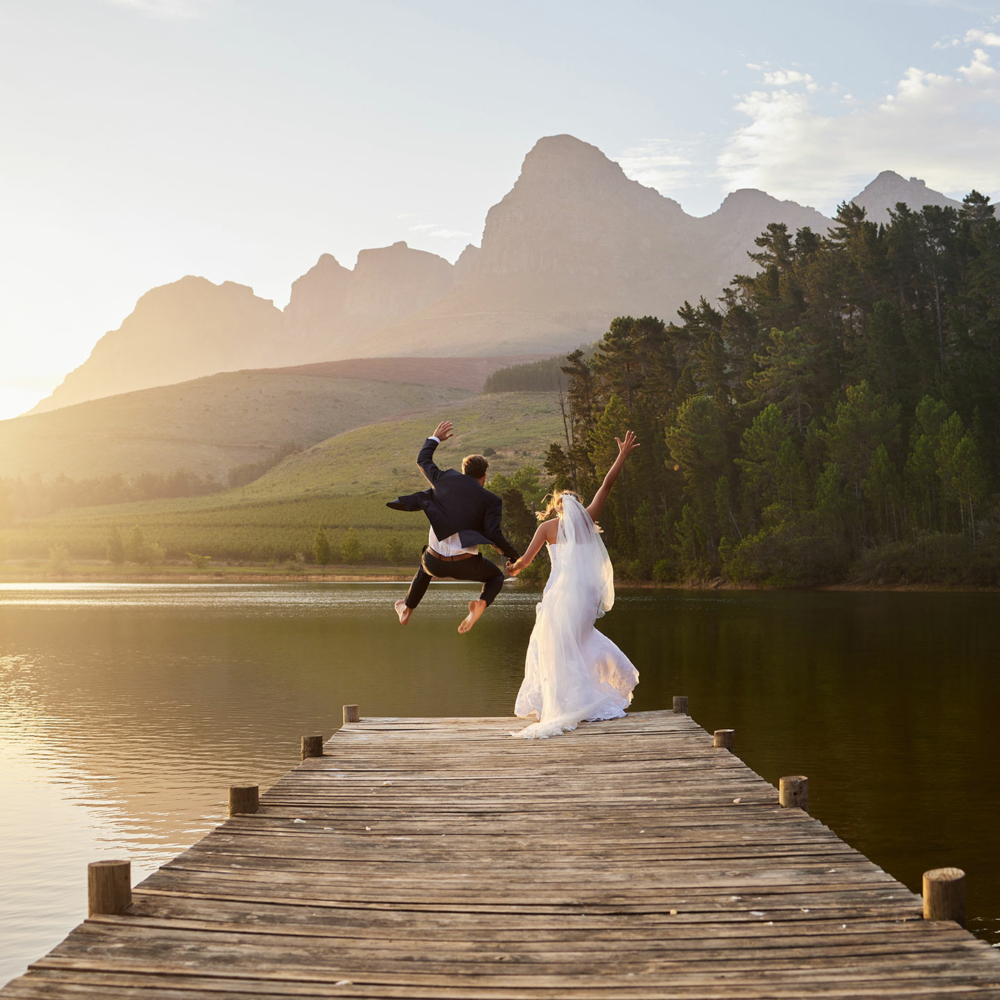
(381, 457)
(573, 244)
(342, 482)
(207, 425)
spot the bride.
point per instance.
(572, 672)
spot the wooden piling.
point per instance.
(109, 887)
(680, 704)
(725, 738)
(793, 792)
(312, 746)
(944, 895)
(243, 799)
(352, 713)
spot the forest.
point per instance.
(833, 418)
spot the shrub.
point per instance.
(199, 562)
(395, 550)
(350, 548)
(115, 547)
(136, 545)
(663, 571)
(321, 551)
(58, 558)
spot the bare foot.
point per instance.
(476, 609)
(403, 611)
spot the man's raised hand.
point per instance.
(443, 431)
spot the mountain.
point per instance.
(889, 188)
(331, 307)
(571, 245)
(575, 243)
(176, 332)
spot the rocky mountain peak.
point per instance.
(890, 188)
(178, 331)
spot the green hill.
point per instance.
(207, 425)
(342, 482)
(382, 457)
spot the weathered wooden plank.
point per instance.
(442, 858)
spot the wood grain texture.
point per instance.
(442, 858)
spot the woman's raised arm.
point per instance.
(624, 448)
(546, 532)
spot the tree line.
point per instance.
(835, 416)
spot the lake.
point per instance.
(126, 711)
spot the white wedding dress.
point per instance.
(572, 672)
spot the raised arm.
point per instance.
(624, 448)
(425, 459)
(546, 532)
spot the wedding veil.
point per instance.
(583, 559)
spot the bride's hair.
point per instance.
(555, 504)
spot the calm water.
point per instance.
(127, 710)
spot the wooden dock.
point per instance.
(440, 858)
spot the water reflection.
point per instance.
(126, 710)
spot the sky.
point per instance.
(143, 140)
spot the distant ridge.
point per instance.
(453, 373)
(573, 243)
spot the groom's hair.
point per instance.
(475, 466)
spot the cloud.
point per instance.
(452, 234)
(944, 128)
(661, 163)
(982, 36)
(168, 9)
(787, 77)
(439, 231)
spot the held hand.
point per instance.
(512, 568)
(626, 446)
(443, 431)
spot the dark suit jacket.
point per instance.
(456, 503)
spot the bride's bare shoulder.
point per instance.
(551, 529)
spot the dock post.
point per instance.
(352, 713)
(243, 799)
(725, 738)
(109, 887)
(944, 895)
(312, 746)
(680, 704)
(793, 792)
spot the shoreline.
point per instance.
(234, 574)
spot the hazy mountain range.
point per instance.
(573, 244)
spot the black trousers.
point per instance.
(474, 568)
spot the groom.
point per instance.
(463, 515)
